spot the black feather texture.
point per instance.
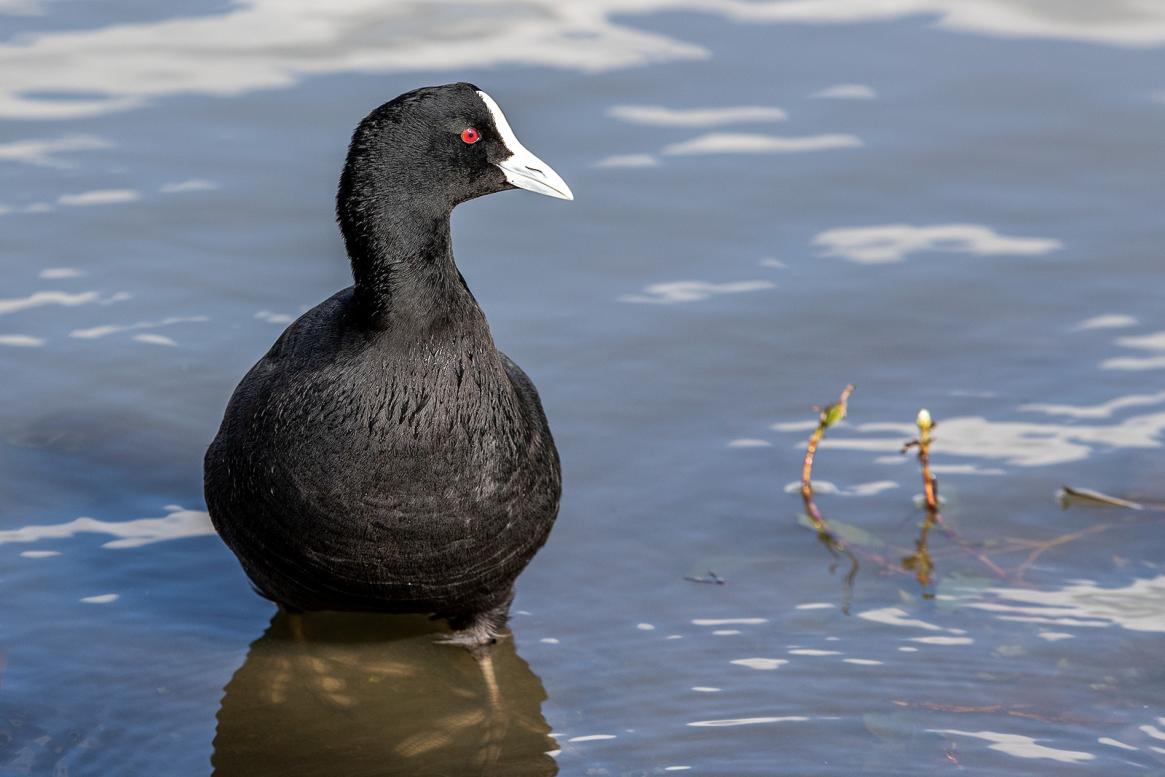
(384, 455)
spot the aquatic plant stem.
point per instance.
(829, 416)
(921, 561)
(836, 546)
(929, 485)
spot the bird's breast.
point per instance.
(422, 433)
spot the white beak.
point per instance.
(523, 169)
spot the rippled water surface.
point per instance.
(954, 205)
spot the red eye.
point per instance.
(470, 135)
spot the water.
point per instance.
(956, 206)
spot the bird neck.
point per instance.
(402, 263)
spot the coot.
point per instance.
(385, 455)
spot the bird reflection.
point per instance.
(363, 695)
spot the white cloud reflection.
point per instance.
(40, 298)
(872, 488)
(1103, 410)
(268, 44)
(100, 197)
(176, 524)
(19, 7)
(658, 115)
(887, 243)
(762, 664)
(1107, 321)
(1151, 342)
(109, 329)
(274, 318)
(749, 442)
(674, 292)
(60, 273)
(1020, 443)
(896, 616)
(1134, 363)
(943, 640)
(1136, 607)
(155, 339)
(847, 92)
(44, 152)
(628, 160)
(749, 143)
(191, 185)
(22, 341)
(747, 721)
(1019, 745)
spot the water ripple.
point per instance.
(751, 143)
(658, 115)
(178, 523)
(889, 243)
(264, 44)
(1019, 746)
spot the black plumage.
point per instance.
(384, 455)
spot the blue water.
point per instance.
(971, 225)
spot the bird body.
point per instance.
(384, 455)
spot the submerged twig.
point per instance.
(711, 579)
(1020, 711)
(1068, 495)
(1039, 547)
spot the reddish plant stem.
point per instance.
(835, 544)
(930, 493)
(807, 482)
(828, 418)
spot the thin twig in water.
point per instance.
(1021, 711)
(711, 579)
(1039, 547)
(1068, 495)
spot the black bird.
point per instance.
(385, 455)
